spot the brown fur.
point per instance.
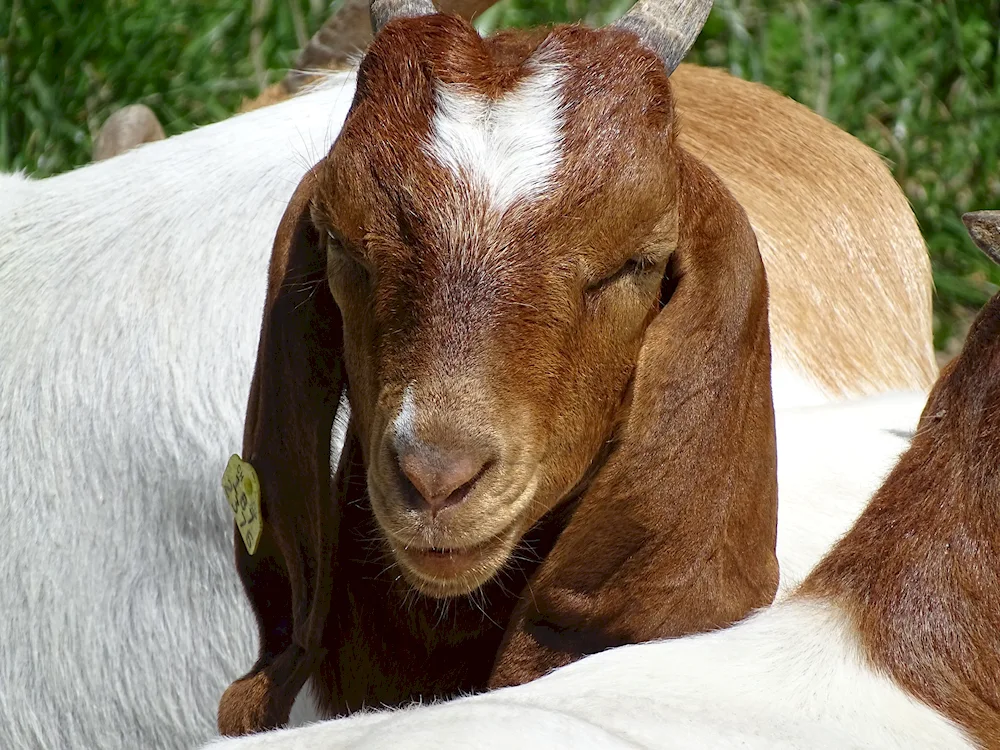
(646, 435)
(849, 274)
(919, 574)
(674, 535)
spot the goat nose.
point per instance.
(439, 479)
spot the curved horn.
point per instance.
(383, 11)
(666, 27)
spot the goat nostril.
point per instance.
(437, 480)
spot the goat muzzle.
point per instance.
(433, 480)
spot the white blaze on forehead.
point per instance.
(508, 147)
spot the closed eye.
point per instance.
(338, 249)
(632, 268)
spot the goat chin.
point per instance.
(131, 293)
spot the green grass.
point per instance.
(918, 81)
(65, 65)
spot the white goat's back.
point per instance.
(789, 677)
(131, 306)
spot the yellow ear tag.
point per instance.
(243, 493)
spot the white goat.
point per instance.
(131, 292)
(789, 677)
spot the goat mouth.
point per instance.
(452, 571)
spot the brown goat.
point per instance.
(892, 642)
(558, 366)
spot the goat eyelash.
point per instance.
(634, 267)
(334, 243)
(335, 246)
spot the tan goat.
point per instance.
(848, 271)
(552, 331)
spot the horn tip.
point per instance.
(984, 229)
(384, 11)
(667, 27)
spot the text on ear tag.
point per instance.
(243, 493)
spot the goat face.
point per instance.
(499, 219)
(482, 262)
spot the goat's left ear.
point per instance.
(297, 385)
(676, 534)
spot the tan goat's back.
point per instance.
(849, 275)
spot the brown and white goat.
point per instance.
(552, 331)
(848, 271)
(892, 643)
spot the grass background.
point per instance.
(918, 81)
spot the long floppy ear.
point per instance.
(296, 388)
(676, 534)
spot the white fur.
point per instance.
(131, 293)
(831, 459)
(789, 677)
(405, 424)
(339, 432)
(509, 148)
(794, 387)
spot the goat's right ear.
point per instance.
(294, 396)
(675, 534)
